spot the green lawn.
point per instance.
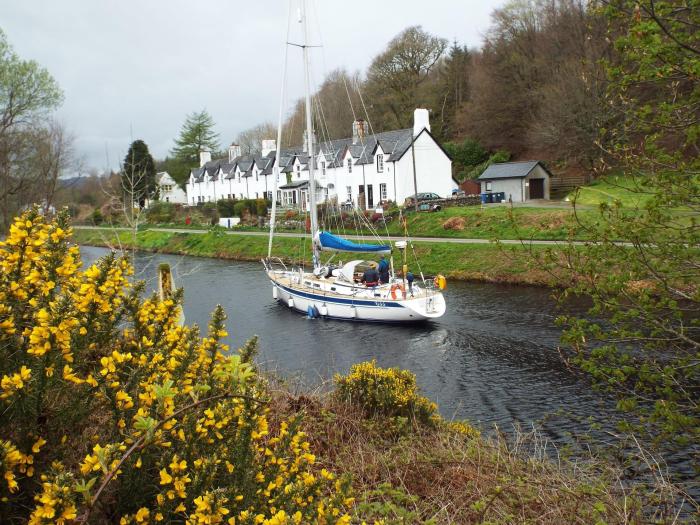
(482, 262)
(609, 189)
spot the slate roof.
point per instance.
(294, 185)
(511, 170)
(393, 143)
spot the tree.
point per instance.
(537, 84)
(197, 134)
(397, 78)
(28, 93)
(251, 139)
(454, 75)
(138, 175)
(641, 341)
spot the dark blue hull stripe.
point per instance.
(326, 299)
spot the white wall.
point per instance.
(433, 170)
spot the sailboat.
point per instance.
(336, 291)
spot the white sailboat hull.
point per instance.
(379, 309)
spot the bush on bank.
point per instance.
(110, 411)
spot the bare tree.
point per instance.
(251, 139)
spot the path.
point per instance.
(451, 240)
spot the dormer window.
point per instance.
(323, 168)
(298, 171)
(380, 163)
(349, 165)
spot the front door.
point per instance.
(370, 197)
(536, 188)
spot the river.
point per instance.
(492, 359)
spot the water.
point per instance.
(492, 359)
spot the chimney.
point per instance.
(421, 121)
(313, 139)
(204, 157)
(234, 150)
(359, 131)
(268, 146)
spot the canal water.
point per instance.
(492, 359)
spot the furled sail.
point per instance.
(328, 241)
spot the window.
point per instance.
(382, 192)
(348, 189)
(380, 163)
(279, 195)
(299, 171)
(256, 194)
(323, 168)
(167, 199)
(488, 186)
(349, 165)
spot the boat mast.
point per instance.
(276, 169)
(309, 139)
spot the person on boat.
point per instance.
(383, 270)
(370, 277)
(409, 280)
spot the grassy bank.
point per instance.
(406, 473)
(477, 262)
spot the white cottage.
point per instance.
(363, 171)
(520, 181)
(169, 190)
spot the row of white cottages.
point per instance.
(365, 170)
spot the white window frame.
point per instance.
(323, 168)
(488, 186)
(382, 191)
(380, 163)
(349, 165)
(348, 190)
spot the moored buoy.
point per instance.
(274, 292)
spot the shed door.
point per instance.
(536, 188)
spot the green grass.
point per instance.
(610, 189)
(477, 262)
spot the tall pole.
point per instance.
(309, 139)
(415, 180)
(278, 146)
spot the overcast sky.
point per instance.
(134, 69)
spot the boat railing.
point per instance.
(274, 264)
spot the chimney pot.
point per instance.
(204, 157)
(234, 150)
(268, 146)
(421, 121)
(359, 131)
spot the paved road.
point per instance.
(451, 240)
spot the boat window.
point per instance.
(333, 288)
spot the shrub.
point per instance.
(226, 207)
(161, 212)
(111, 411)
(97, 217)
(210, 213)
(376, 217)
(385, 391)
(454, 223)
(261, 206)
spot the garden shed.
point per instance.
(519, 181)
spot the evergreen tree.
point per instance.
(197, 134)
(139, 174)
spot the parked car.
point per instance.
(422, 197)
(458, 193)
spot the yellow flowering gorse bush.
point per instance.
(111, 411)
(392, 392)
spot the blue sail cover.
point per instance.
(328, 241)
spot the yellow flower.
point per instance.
(165, 478)
(36, 447)
(142, 515)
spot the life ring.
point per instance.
(395, 287)
(440, 281)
